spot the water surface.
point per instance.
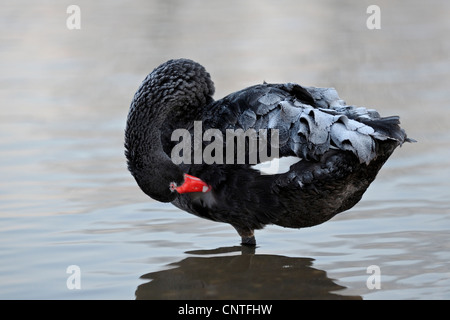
(66, 197)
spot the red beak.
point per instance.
(191, 184)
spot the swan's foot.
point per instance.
(247, 236)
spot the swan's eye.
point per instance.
(173, 186)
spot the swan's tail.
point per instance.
(355, 128)
(389, 127)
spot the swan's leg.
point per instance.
(247, 236)
(248, 241)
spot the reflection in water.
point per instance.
(245, 276)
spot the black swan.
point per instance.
(333, 150)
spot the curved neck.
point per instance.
(145, 124)
(173, 93)
(148, 163)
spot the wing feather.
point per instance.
(310, 120)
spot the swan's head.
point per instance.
(165, 185)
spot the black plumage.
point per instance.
(340, 148)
